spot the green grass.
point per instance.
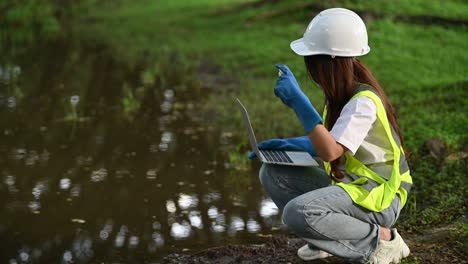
(422, 67)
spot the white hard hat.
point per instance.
(335, 32)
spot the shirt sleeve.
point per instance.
(355, 121)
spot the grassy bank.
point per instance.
(417, 64)
(418, 52)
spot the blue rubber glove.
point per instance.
(292, 144)
(288, 90)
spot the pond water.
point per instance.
(84, 179)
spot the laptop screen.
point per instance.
(248, 125)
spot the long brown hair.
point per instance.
(339, 77)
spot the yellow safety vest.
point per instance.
(399, 182)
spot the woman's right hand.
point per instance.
(287, 88)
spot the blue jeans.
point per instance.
(323, 214)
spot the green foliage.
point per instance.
(440, 191)
(130, 103)
(246, 40)
(29, 22)
(10, 80)
(22, 21)
(237, 158)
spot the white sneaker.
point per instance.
(390, 251)
(306, 253)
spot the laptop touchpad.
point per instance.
(299, 156)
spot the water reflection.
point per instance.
(195, 219)
(39, 189)
(99, 175)
(114, 187)
(34, 207)
(120, 237)
(82, 249)
(151, 174)
(74, 100)
(157, 239)
(106, 230)
(65, 183)
(253, 226)
(181, 230)
(170, 206)
(9, 73)
(237, 224)
(10, 182)
(268, 208)
(186, 201)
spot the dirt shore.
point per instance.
(435, 246)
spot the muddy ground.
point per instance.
(435, 246)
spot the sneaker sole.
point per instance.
(322, 255)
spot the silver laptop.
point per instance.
(292, 158)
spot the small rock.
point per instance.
(437, 147)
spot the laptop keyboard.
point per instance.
(276, 156)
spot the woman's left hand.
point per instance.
(292, 144)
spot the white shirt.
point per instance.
(364, 138)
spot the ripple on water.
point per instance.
(119, 240)
(166, 107)
(32, 158)
(156, 225)
(106, 230)
(158, 239)
(186, 201)
(133, 242)
(65, 183)
(45, 155)
(252, 226)
(121, 173)
(154, 148)
(151, 174)
(82, 248)
(67, 256)
(99, 175)
(39, 189)
(166, 138)
(164, 120)
(34, 207)
(84, 161)
(169, 94)
(75, 191)
(19, 153)
(211, 197)
(11, 103)
(237, 224)
(24, 256)
(10, 183)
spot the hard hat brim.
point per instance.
(301, 49)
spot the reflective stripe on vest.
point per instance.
(399, 182)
